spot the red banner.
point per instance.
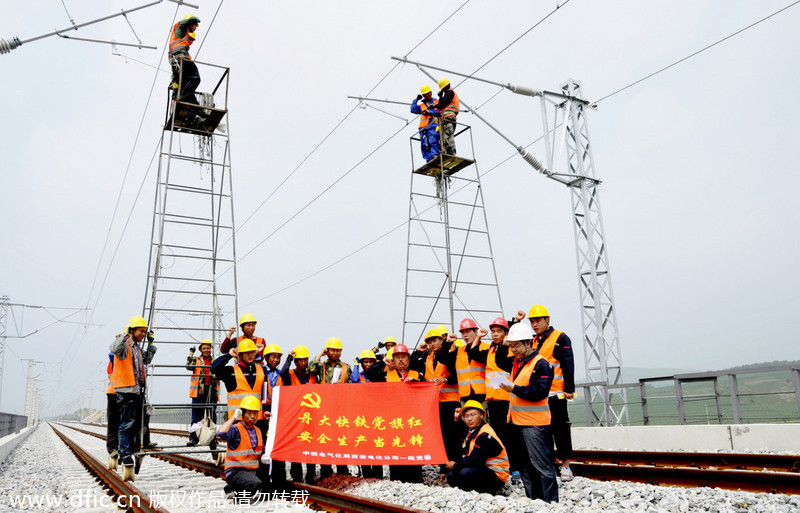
(371, 424)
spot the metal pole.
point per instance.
(735, 404)
(3, 316)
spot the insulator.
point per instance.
(7, 46)
(526, 91)
(533, 161)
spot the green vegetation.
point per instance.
(764, 397)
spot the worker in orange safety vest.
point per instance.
(184, 70)
(245, 460)
(203, 387)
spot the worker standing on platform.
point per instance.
(531, 377)
(293, 377)
(331, 371)
(244, 459)
(204, 388)
(448, 106)
(247, 323)
(556, 347)
(128, 376)
(180, 40)
(423, 105)
(485, 468)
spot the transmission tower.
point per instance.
(450, 272)
(3, 321)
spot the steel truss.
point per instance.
(450, 271)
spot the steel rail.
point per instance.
(737, 461)
(110, 478)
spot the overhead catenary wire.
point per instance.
(665, 68)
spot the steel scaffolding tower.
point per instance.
(450, 270)
(598, 315)
(3, 339)
(191, 278)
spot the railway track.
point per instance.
(319, 499)
(771, 473)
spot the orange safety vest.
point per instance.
(122, 375)
(495, 372)
(547, 352)
(425, 119)
(470, 374)
(245, 456)
(256, 341)
(110, 371)
(452, 109)
(342, 378)
(296, 381)
(499, 464)
(393, 376)
(447, 391)
(528, 413)
(243, 389)
(177, 44)
(194, 385)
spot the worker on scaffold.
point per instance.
(247, 323)
(180, 40)
(128, 376)
(448, 106)
(203, 388)
(428, 127)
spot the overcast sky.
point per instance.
(698, 167)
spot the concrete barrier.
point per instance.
(707, 438)
(9, 442)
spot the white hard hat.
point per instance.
(520, 331)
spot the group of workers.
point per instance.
(437, 117)
(502, 405)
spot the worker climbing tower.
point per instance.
(450, 272)
(191, 278)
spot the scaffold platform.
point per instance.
(193, 118)
(451, 164)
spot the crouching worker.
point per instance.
(485, 468)
(245, 450)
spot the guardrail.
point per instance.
(10, 423)
(741, 396)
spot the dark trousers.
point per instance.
(374, 471)
(199, 413)
(452, 432)
(481, 480)
(190, 79)
(560, 428)
(448, 128)
(296, 472)
(531, 454)
(406, 473)
(112, 423)
(130, 417)
(276, 479)
(327, 470)
(498, 415)
(243, 480)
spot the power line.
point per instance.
(697, 52)
(208, 31)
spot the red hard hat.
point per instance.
(400, 349)
(499, 322)
(467, 324)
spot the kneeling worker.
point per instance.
(485, 468)
(245, 449)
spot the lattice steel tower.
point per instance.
(450, 272)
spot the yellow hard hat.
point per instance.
(250, 402)
(247, 318)
(442, 329)
(301, 352)
(246, 345)
(443, 82)
(390, 353)
(472, 403)
(191, 34)
(390, 339)
(190, 16)
(333, 343)
(367, 353)
(459, 343)
(434, 333)
(538, 311)
(137, 322)
(206, 341)
(272, 349)
(425, 89)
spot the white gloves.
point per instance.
(265, 459)
(237, 414)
